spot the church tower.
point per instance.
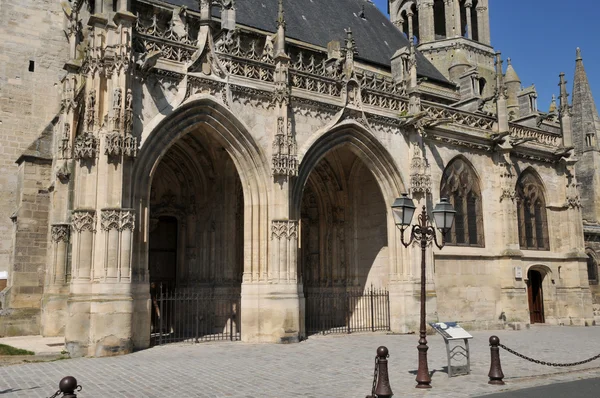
(441, 28)
(586, 127)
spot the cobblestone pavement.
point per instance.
(331, 366)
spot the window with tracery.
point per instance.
(461, 186)
(592, 268)
(531, 213)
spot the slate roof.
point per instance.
(320, 21)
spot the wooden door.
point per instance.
(536, 297)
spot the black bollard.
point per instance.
(68, 386)
(495, 374)
(382, 388)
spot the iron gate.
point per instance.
(330, 311)
(195, 315)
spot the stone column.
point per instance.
(468, 6)
(457, 22)
(483, 19)
(78, 324)
(451, 30)
(56, 290)
(426, 22)
(273, 305)
(409, 15)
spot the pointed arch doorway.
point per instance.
(196, 243)
(535, 295)
(344, 247)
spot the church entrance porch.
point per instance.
(195, 243)
(343, 247)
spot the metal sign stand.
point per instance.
(452, 332)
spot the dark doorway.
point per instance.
(536, 296)
(162, 259)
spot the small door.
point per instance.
(536, 297)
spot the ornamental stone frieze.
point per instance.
(284, 229)
(117, 219)
(83, 220)
(60, 233)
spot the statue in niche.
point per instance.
(117, 96)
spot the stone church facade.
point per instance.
(254, 148)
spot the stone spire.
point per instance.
(280, 44)
(513, 86)
(553, 107)
(586, 123)
(501, 103)
(566, 123)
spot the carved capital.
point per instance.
(86, 146)
(284, 229)
(60, 233)
(117, 219)
(508, 194)
(84, 220)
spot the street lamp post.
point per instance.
(403, 210)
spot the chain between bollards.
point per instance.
(495, 374)
(67, 386)
(381, 380)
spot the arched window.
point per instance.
(439, 19)
(592, 267)
(482, 83)
(531, 213)
(460, 185)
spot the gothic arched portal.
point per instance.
(195, 260)
(196, 187)
(343, 245)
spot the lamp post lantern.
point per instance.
(423, 232)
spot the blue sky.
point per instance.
(541, 37)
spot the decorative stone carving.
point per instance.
(113, 144)
(573, 202)
(285, 162)
(508, 194)
(284, 229)
(420, 176)
(60, 233)
(64, 146)
(84, 220)
(86, 146)
(129, 146)
(117, 145)
(118, 219)
(90, 111)
(63, 173)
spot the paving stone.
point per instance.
(333, 366)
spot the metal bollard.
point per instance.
(67, 386)
(381, 382)
(495, 374)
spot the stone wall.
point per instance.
(32, 51)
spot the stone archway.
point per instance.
(195, 260)
(348, 241)
(202, 151)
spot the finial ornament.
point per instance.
(281, 15)
(579, 54)
(564, 96)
